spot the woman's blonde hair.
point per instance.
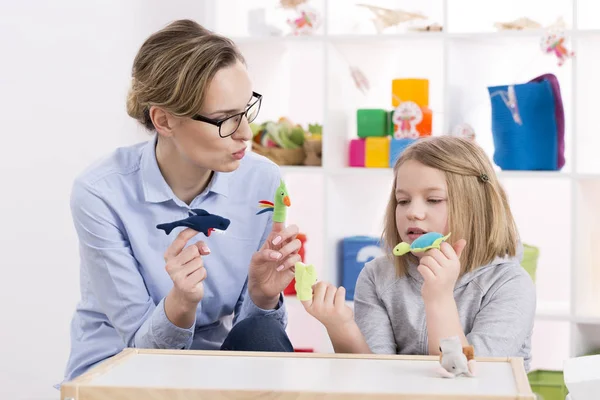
(174, 67)
(478, 209)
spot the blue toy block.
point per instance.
(355, 252)
(397, 146)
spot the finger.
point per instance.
(432, 264)
(179, 243)
(187, 269)
(290, 248)
(285, 234)
(202, 247)
(319, 290)
(459, 246)
(438, 256)
(330, 295)
(340, 298)
(278, 226)
(188, 254)
(425, 272)
(195, 278)
(266, 255)
(174, 264)
(289, 262)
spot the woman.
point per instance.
(143, 288)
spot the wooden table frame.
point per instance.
(81, 387)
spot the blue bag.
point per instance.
(528, 139)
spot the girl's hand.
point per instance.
(328, 306)
(440, 270)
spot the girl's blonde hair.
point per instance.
(174, 67)
(478, 209)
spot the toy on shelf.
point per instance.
(554, 43)
(285, 143)
(518, 24)
(355, 252)
(313, 145)
(406, 117)
(279, 205)
(199, 220)
(429, 240)
(385, 17)
(306, 21)
(464, 131)
(456, 359)
(291, 4)
(306, 277)
(377, 150)
(528, 125)
(383, 134)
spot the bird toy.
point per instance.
(278, 206)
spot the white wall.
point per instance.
(64, 71)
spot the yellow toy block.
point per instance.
(377, 152)
(415, 90)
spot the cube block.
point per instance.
(377, 152)
(356, 153)
(372, 122)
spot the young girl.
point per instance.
(473, 286)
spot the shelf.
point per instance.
(308, 78)
(480, 16)
(587, 238)
(552, 311)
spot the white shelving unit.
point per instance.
(307, 79)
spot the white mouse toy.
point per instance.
(455, 359)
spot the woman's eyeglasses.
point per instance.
(228, 126)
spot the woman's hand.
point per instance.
(328, 306)
(272, 267)
(440, 270)
(186, 269)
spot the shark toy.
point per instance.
(280, 204)
(199, 220)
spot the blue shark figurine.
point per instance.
(199, 220)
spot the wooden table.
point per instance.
(195, 374)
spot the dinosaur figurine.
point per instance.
(305, 276)
(279, 206)
(429, 240)
(199, 220)
(456, 359)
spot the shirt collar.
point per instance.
(157, 190)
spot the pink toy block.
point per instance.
(356, 153)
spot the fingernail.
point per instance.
(275, 255)
(277, 240)
(279, 268)
(205, 249)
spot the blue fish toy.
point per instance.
(430, 240)
(199, 220)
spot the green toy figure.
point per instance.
(430, 240)
(279, 206)
(306, 277)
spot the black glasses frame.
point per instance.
(219, 122)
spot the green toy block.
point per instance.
(371, 122)
(390, 123)
(549, 385)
